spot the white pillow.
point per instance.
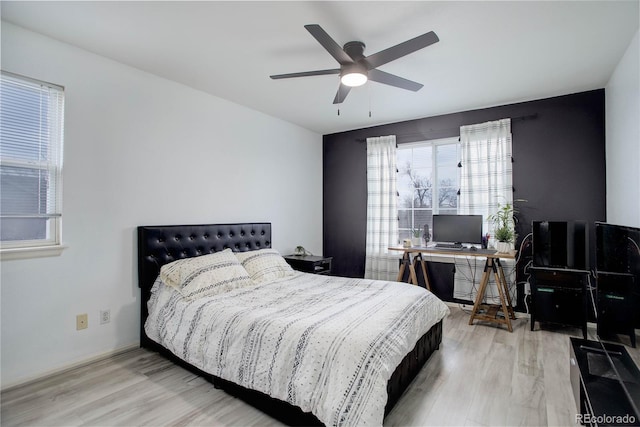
(205, 275)
(265, 265)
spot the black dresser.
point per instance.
(559, 295)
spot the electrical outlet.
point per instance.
(105, 316)
(82, 321)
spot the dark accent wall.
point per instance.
(559, 168)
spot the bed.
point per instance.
(160, 246)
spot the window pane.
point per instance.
(422, 217)
(405, 191)
(403, 158)
(447, 154)
(23, 191)
(448, 175)
(422, 157)
(24, 130)
(405, 234)
(448, 178)
(449, 211)
(16, 229)
(447, 198)
(422, 197)
(404, 218)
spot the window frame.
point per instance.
(435, 185)
(51, 245)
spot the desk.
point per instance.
(484, 312)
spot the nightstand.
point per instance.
(310, 263)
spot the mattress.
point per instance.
(325, 344)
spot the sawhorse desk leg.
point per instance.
(423, 264)
(413, 278)
(490, 311)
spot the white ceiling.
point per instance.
(490, 53)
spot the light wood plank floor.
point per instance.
(482, 375)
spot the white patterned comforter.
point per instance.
(325, 344)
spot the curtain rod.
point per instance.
(410, 135)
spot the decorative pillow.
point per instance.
(265, 265)
(205, 275)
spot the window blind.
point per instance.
(31, 139)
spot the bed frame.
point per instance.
(159, 245)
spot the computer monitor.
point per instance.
(457, 229)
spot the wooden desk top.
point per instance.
(485, 253)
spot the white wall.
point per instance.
(140, 150)
(623, 139)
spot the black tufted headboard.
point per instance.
(159, 245)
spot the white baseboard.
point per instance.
(69, 367)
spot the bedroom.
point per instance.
(133, 144)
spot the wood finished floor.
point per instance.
(482, 375)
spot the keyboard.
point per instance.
(451, 246)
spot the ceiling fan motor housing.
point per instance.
(355, 50)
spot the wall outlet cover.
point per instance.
(82, 321)
(105, 316)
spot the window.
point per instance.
(428, 183)
(31, 135)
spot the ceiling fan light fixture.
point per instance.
(354, 79)
(353, 75)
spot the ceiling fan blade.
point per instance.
(306, 74)
(342, 93)
(393, 80)
(329, 44)
(402, 49)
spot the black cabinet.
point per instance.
(310, 263)
(617, 305)
(559, 296)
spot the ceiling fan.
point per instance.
(355, 68)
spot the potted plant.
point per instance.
(416, 239)
(504, 223)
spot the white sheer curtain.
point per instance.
(486, 174)
(382, 209)
(485, 183)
